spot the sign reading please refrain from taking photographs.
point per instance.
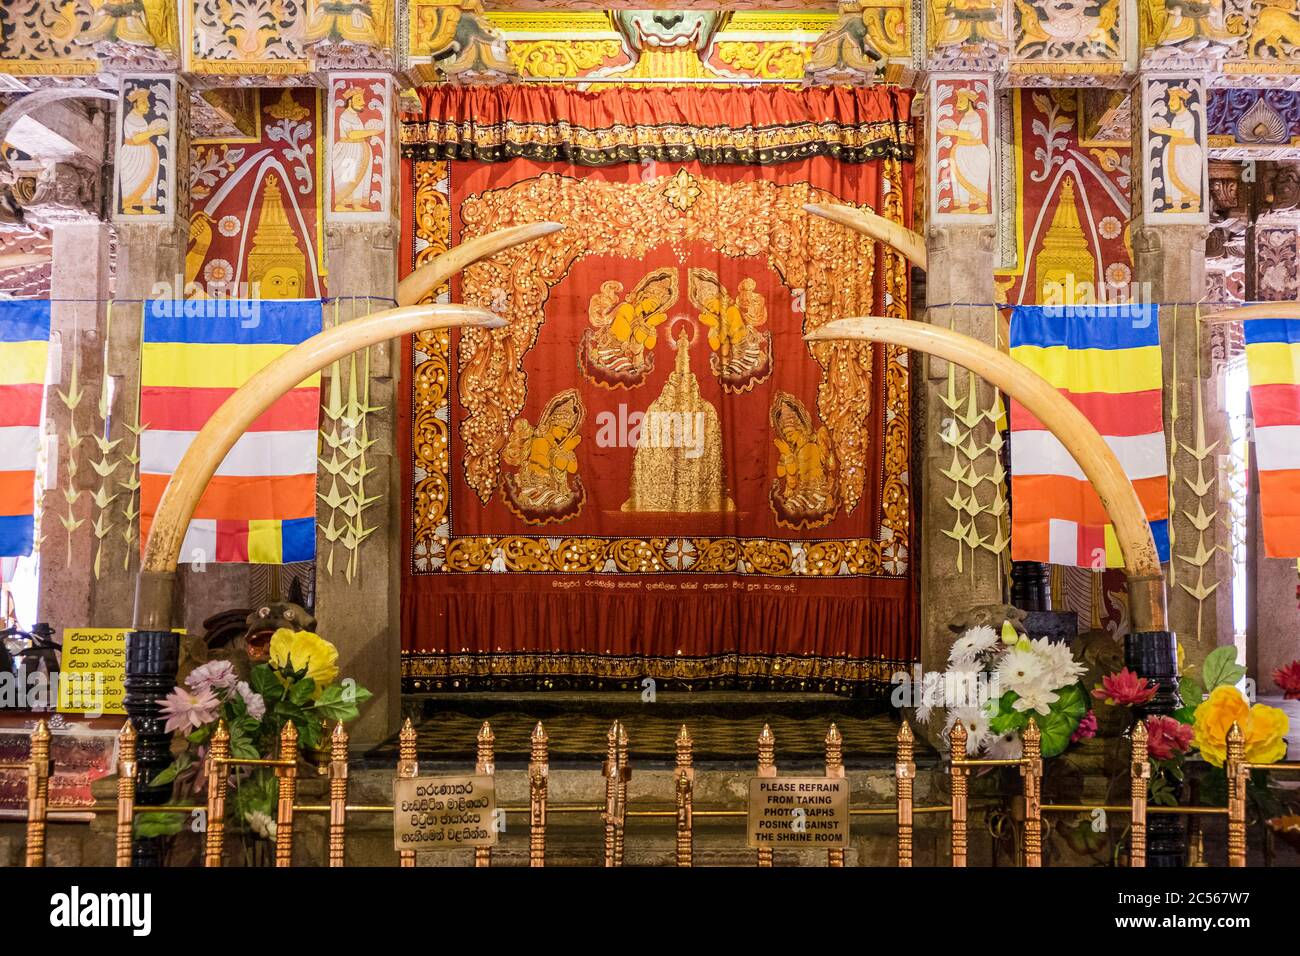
(799, 811)
(444, 813)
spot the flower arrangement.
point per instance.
(1288, 678)
(299, 684)
(994, 683)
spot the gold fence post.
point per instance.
(957, 752)
(485, 763)
(38, 793)
(126, 770)
(610, 771)
(1238, 775)
(1031, 769)
(620, 804)
(1138, 785)
(288, 777)
(685, 797)
(218, 775)
(766, 768)
(538, 770)
(834, 770)
(338, 794)
(904, 774)
(407, 767)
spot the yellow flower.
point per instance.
(1264, 727)
(1178, 646)
(293, 652)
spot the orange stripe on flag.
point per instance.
(1279, 503)
(17, 492)
(1042, 497)
(233, 498)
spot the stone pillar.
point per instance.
(151, 214)
(1170, 227)
(357, 587)
(961, 566)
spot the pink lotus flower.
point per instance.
(1288, 678)
(214, 676)
(1167, 737)
(1087, 728)
(188, 710)
(1124, 688)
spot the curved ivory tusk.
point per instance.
(907, 242)
(1274, 310)
(429, 277)
(153, 597)
(17, 260)
(1146, 583)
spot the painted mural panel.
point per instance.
(962, 131)
(145, 183)
(1067, 30)
(256, 224)
(248, 36)
(361, 149)
(1174, 167)
(1070, 218)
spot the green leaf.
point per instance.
(1190, 689)
(1062, 719)
(309, 733)
(1185, 715)
(263, 680)
(302, 690)
(1221, 667)
(159, 824)
(168, 775)
(339, 703)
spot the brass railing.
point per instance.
(616, 810)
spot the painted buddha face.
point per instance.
(280, 282)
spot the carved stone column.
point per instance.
(358, 561)
(961, 533)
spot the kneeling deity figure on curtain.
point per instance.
(540, 491)
(742, 355)
(803, 494)
(618, 349)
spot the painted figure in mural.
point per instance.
(742, 354)
(803, 494)
(351, 156)
(975, 24)
(1068, 27)
(346, 21)
(546, 485)
(1180, 154)
(132, 22)
(138, 157)
(618, 349)
(277, 266)
(971, 161)
(1191, 26)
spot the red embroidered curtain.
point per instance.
(649, 473)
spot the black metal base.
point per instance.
(152, 658)
(1154, 655)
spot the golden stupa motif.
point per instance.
(678, 463)
(1067, 270)
(277, 266)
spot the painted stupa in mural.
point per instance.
(678, 463)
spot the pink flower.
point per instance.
(1087, 728)
(1288, 678)
(214, 675)
(187, 710)
(253, 702)
(1125, 689)
(1167, 737)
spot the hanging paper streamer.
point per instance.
(1273, 357)
(1107, 363)
(24, 349)
(260, 506)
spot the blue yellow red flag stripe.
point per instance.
(24, 352)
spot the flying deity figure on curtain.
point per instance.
(618, 349)
(803, 495)
(138, 157)
(1181, 154)
(971, 161)
(742, 354)
(546, 485)
(351, 156)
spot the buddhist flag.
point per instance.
(260, 506)
(1106, 361)
(1273, 358)
(24, 349)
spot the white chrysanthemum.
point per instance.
(1035, 697)
(1060, 669)
(1006, 747)
(967, 648)
(976, 724)
(1019, 669)
(261, 824)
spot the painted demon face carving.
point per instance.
(667, 29)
